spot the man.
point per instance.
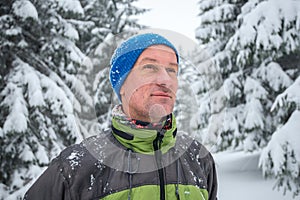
(141, 157)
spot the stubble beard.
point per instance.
(152, 112)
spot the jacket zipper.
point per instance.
(158, 157)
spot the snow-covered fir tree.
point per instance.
(43, 75)
(254, 47)
(218, 25)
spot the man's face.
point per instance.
(149, 91)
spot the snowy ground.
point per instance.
(239, 178)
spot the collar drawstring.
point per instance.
(130, 186)
(130, 171)
(177, 182)
(129, 167)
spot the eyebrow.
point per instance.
(154, 60)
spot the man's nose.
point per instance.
(163, 77)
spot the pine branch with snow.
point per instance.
(281, 157)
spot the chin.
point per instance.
(160, 110)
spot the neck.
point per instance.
(145, 117)
(140, 122)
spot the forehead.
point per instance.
(161, 48)
(158, 53)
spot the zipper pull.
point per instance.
(158, 140)
(160, 136)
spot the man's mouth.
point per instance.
(161, 94)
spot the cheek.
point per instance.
(131, 89)
(137, 95)
(174, 87)
(141, 92)
(137, 84)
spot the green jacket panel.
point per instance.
(150, 192)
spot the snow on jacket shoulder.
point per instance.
(101, 168)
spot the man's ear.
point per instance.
(122, 91)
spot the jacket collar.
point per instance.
(139, 137)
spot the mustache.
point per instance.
(163, 88)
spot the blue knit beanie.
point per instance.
(128, 52)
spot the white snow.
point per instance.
(34, 172)
(287, 135)
(70, 31)
(76, 54)
(71, 5)
(253, 89)
(106, 42)
(25, 9)
(253, 115)
(268, 25)
(41, 154)
(79, 89)
(31, 78)
(222, 12)
(291, 94)
(17, 118)
(232, 85)
(217, 100)
(13, 31)
(240, 178)
(273, 74)
(74, 159)
(27, 154)
(56, 96)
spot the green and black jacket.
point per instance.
(130, 164)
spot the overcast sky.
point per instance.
(174, 15)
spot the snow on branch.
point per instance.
(291, 94)
(25, 9)
(18, 112)
(274, 76)
(71, 6)
(270, 26)
(281, 157)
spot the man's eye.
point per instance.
(149, 67)
(172, 70)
